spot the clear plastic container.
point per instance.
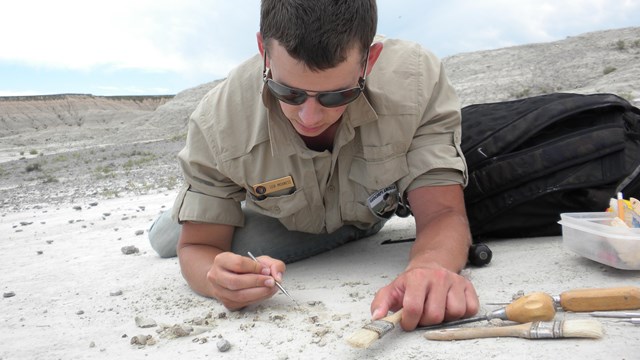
(592, 236)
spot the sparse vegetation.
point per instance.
(522, 94)
(33, 167)
(608, 70)
(626, 95)
(109, 193)
(621, 45)
(48, 179)
(60, 158)
(179, 137)
(103, 172)
(33, 152)
(135, 163)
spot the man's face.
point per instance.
(311, 119)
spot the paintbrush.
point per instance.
(374, 330)
(582, 328)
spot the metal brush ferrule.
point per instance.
(498, 314)
(546, 330)
(380, 326)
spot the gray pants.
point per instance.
(261, 235)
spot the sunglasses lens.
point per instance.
(286, 94)
(338, 98)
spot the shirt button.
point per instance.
(276, 209)
(331, 188)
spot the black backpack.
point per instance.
(530, 160)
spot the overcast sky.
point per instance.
(149, 47)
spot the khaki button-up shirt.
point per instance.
(404, 131)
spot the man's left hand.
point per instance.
(428, 294)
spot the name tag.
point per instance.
(272, 186)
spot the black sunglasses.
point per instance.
(293, 96)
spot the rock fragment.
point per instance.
(142, 340)
(128, 250)
(145, 322)
(223, 345)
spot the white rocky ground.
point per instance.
(81, 180)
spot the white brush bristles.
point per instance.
(582, 328)
(363, 338)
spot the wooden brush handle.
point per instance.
(394, 318)
(622, 298)
(521, 330)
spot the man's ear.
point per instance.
(261, 46)
(374, 52)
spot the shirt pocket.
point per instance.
(368, 175)
(293, 211)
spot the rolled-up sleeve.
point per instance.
(208, 195)
(434, 156)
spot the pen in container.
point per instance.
(621, 206)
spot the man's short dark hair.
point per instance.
(319, 32)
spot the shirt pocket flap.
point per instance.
(278, 206)
(378, 174)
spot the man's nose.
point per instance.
(310, 111)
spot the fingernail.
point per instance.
(376, 314)
(279, 276)
(266, 271)
(270, 282)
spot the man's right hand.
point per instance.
(239, 281)
(212, 270)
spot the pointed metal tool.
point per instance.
(536, 306)
(277, 283)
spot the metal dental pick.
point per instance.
(277, 283)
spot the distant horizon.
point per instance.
(82, 94)
(163, 48)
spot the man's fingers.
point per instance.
(387, 298)
(473, 304)
(235, 300)
(238, 264)
(275, 267)
(234, 282)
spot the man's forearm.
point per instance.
(442, 228)
(195, 263)
(445, 240)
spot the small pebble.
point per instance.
(115, 293)
(9, 294)
(39, 252)
(139, 232)
(141, 340)
(145, 322)
(223, 345)
(77, 207)
(128, 250)
(79, 312)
